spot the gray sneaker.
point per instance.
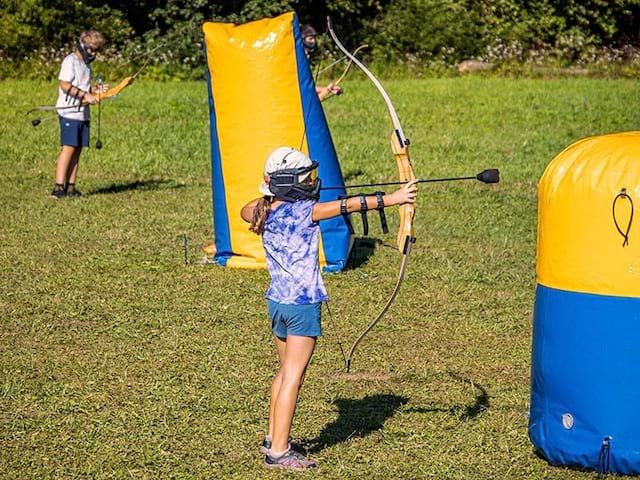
(266, 445)
(289, 460)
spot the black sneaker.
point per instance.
(289, 460)
(72, 192)
(58, 192)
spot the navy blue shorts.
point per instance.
(74, 133)
(298, 320)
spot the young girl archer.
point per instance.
(287, 217)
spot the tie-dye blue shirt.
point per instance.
(290, 240)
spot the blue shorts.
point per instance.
(298, 320)
(74, 133)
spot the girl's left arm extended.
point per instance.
(405, 194)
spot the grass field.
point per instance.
(118, 360)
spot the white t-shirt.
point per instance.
(78, 73)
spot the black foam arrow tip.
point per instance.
(491, 175)
(35, 122)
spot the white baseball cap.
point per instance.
(280, 159)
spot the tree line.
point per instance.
(34, 33)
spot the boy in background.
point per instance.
(310, 43)
(74, 97)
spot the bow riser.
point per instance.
(406, 173)
(112, 92)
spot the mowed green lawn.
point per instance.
(118, 360)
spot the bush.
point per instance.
(426, 30)
(424, 35)
(32, 25)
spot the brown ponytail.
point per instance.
(260, 214)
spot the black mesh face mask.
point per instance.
(285, 184)
(86, 56)
(309, 38)
(310, 46)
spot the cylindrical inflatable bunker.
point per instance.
(585, 372)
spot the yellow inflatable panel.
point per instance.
(247, 62)
(589, 217)
(262, 96)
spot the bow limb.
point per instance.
(111, 93)
(343, 57)
(402, 140)
(326, 92)
(400, 148)
(405, 241)
(394, 293)
(399, 142)
(346, 69)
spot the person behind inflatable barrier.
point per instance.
(310, 42)
(74, 97)
(287, 217)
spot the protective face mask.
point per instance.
(86, 56)
(310, 45)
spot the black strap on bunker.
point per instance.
(604, 457)
(625, 234)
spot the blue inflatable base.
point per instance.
(585, 380)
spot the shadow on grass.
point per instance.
(465, 412)
(362, 250)
(351, 176)
(137, 185)
(480, 405)
(357, 418)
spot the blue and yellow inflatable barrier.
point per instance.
(585, 373)
(262, 96)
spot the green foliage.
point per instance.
(257, 9)
(426, 30)
(26, 26)
(354, 19)
(525, 22)
(177, 27)
(571, 27)
(451, 30)
(604, 21)
(425, 35)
